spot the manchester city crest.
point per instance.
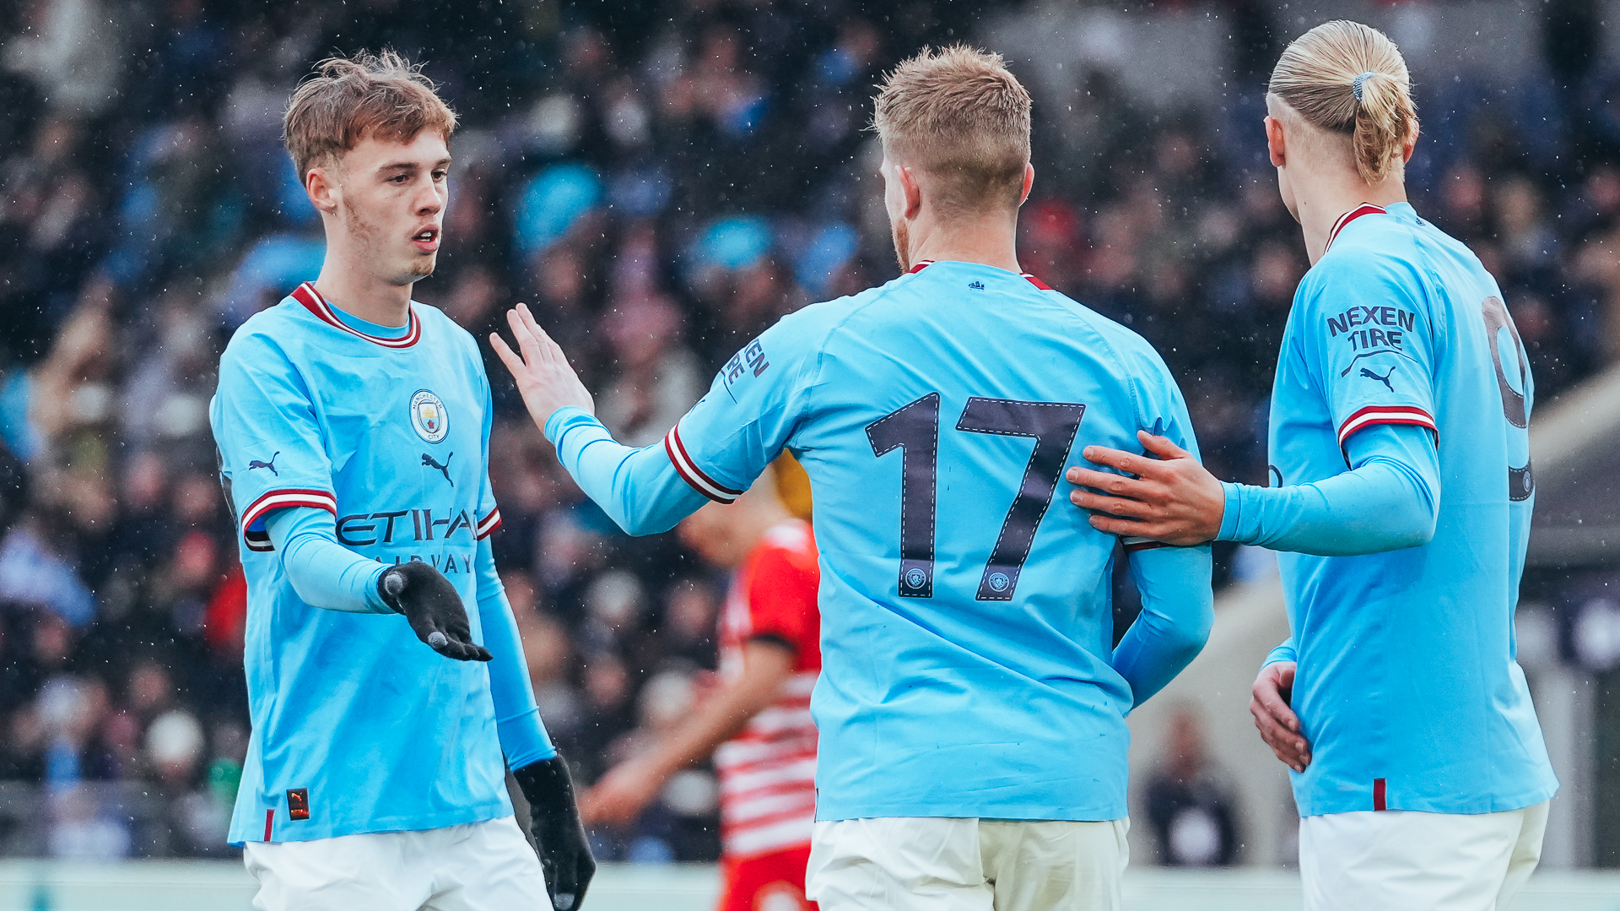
(428, 416)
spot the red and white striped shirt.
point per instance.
(768, 773)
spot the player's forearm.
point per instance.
(1178, 609)
(725, 714)
(517, 719)
(324, 573)
(1388, 501)
(638, 488)
(1283, 652)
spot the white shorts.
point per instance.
(480, 866)
(1401, 859)
(937, 864)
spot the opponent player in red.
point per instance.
(758, 725)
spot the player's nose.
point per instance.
(429, 200)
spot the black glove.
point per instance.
(565, 855)
(433, 607)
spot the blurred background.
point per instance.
(660, 180)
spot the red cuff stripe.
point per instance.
(279, 499)
(1385, 414)
(691, 474)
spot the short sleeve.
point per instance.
(268, 438)
(782, 597)
(749, 413)
(1368, 340)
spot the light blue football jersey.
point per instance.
(966, 625)
(1407, 684)
(358, 726)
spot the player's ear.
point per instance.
(1029, 182)
(1275, 142)
(322, 190)
(1410, 146)
(911, 188)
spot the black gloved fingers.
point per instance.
(565, 852)
(433, 608)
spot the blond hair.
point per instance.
(348, 100)
(959, 115)
(792, 486)
(1347, 78)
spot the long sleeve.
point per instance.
(639, 488)
(517, 718)
(1389, 499)
(1178, 609)
(324, 573)
(1283, 652)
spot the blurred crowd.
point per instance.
(660, 180)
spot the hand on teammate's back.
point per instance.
(433, 606)
(543, 375)
(1170, 498)
(565, 853)
(1279, 726)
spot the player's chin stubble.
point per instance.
(902, 244)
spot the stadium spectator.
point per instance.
(1188, 806)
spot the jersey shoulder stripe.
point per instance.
(281, 499)
(1385, 414)
(488, 524)
(693, 475)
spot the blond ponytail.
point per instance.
(1348, 78)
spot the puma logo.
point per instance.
(270, 464)
(1382, 379)
(430, 462)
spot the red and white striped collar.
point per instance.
(316, 304)
(1024, 275)
(1365, 208)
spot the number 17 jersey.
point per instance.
(966, 617)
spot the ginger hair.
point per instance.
(961, 116)
(350, 99)
(1316, 77)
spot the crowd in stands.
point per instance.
(659, 180)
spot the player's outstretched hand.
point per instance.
(433, 607)
(1170, 498)
(565, 855)
(620, 796)
(543, 375)
(1279, 726)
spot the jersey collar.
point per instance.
(316, 304)
(1024, 275)
(1365, 208)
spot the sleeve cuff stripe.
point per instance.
(280, 499)
(488, 524)
(1385, 414)
(1132, 545)
(693, 475)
